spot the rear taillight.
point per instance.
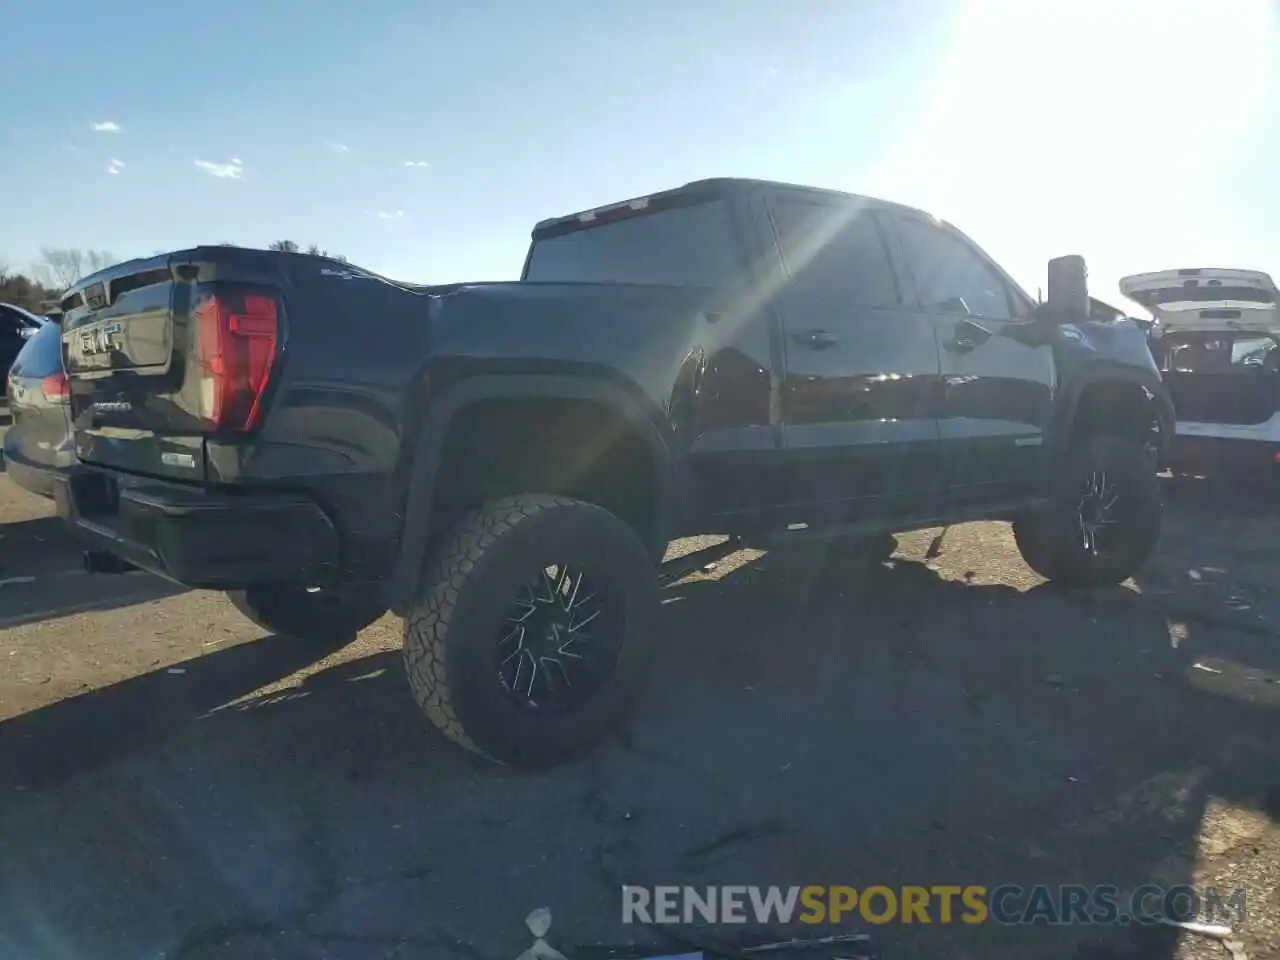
(236, 337)
(55, 389)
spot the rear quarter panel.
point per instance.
(636, 336)
(343, 395)
(680, 364)
(699, 364)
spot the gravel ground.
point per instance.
(175, 784)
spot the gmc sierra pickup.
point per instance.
(504, 464)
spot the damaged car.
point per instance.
(1214, 337)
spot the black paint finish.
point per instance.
(790, 390)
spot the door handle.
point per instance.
(960, 343)
(817, 339)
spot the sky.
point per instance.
(423, 139)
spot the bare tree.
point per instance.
(315, 251)
(288, 246)
(60, 268)
(25, 292)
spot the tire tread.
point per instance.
(1041, 540)
(427, 628)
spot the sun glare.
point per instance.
(1074, 126)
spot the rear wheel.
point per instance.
(1103, 519)
(531, 636)
(323, 616)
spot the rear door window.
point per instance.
(11, 322)
(686, 246)
(837, 249)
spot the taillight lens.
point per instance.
(236, 337)
(55, 389)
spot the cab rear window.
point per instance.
(686, 246)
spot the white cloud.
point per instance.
(115, 166)
(390, 214)
(416, 163)
(339, 147)
(106, 126)
(223, 171)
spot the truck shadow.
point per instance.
(813, 719)
(41, 561)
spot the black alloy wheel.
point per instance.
(560, 640)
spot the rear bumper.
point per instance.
(200, 538)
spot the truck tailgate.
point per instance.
(161, 354)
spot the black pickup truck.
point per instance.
(504, 464)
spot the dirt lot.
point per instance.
(175, 784)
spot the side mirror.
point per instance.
(1068, 297)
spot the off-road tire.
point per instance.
(294, 612)
(1049, 541)
(451, 633)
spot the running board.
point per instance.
(1001, 510)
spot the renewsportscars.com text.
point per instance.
(972, 904)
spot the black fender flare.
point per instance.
(1058, 436)
(427, 449)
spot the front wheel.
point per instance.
(1103, 518)
(532, 631)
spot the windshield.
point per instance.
(687, 246)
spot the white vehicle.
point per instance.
(1215, 339)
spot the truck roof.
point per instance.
(715, 187)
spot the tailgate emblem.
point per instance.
(99, 339)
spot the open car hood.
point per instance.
(1208, 299)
